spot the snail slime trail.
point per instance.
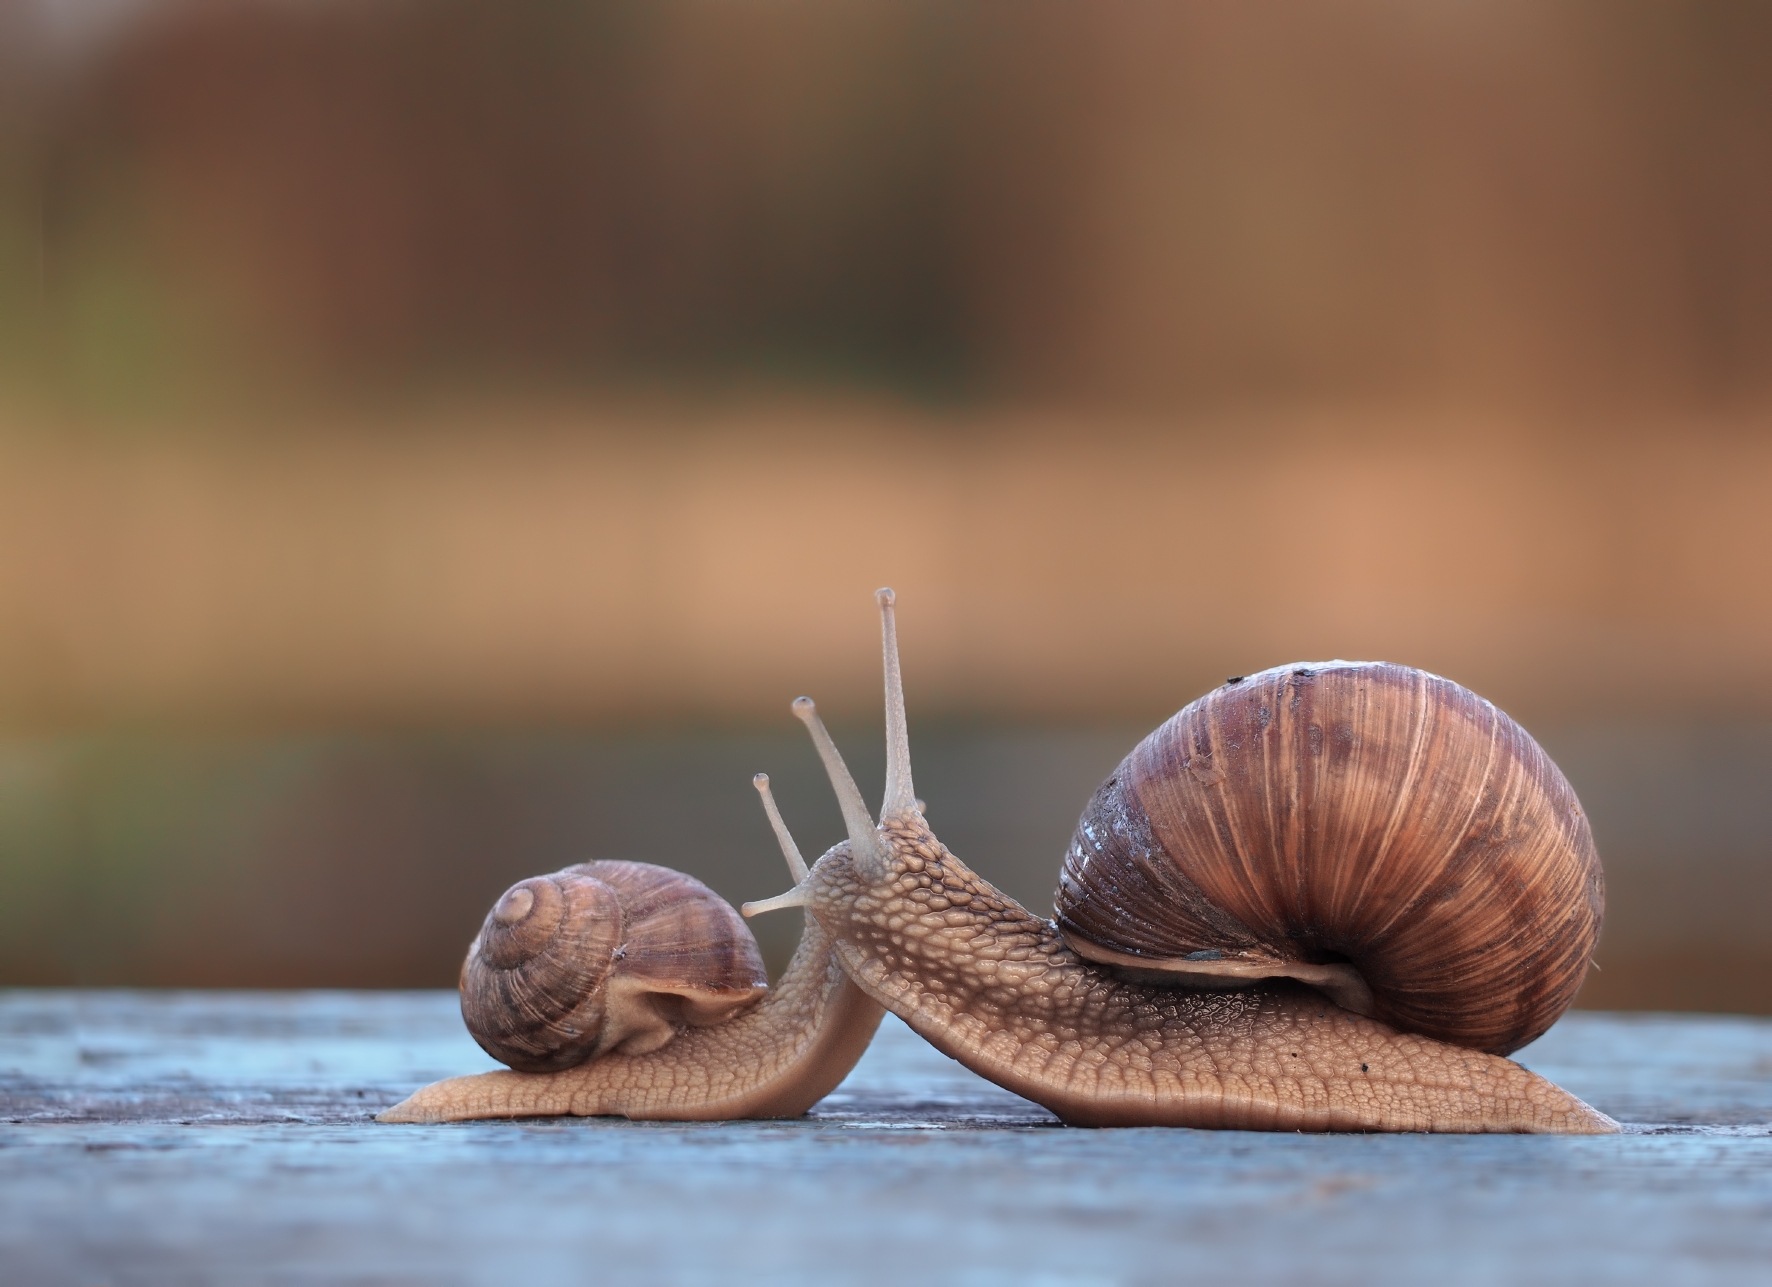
(1324, 897)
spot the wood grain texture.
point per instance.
(1360, 812)
(997, 989)
(318, 1058)
(194, 1138)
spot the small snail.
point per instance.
(1325, 897)
(625, 989)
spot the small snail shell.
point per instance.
(601, 957)
(1314, 818)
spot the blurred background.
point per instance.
(438, 439)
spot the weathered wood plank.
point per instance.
(226, 1138)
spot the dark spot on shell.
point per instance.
(1363, 1068)
(1234, 679)
(1206, 954)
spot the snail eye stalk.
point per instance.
(864, 843)
(901, 796)
(795, 897)
(783, 837)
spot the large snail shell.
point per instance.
(1358, 813)
(604, 956)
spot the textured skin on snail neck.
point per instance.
(775, 1060)
(998, 990)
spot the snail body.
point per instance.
(775, 1059)
(999, 990)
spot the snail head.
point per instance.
(874, 853)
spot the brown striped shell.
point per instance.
(1374, 830)
(604, 956)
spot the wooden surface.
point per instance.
(226, 1138)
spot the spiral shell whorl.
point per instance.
(602, 956)
(1359, 812)
(532, 988)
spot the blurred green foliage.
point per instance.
(113, 848)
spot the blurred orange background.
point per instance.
(436, 441)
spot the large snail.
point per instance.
(1323, 897)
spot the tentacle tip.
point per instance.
(804, 706)
(885, 597)
(760, 781)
